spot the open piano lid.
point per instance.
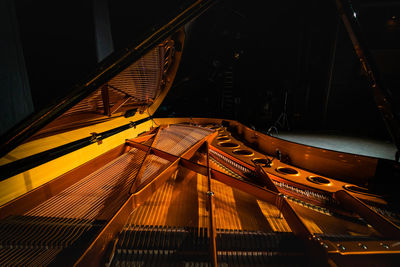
(130, 83)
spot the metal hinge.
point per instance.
(96, 138)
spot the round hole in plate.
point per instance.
(223, 138)
(243, 152)
(356, 189)
(318, 180)
(287, 170)
(262, 162)
(228, 144)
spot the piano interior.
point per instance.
(98, 181)
(178, 195)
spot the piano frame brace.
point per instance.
(316, 246)
(96, 251)
(294, 221)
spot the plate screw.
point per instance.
(386, 246)
(341, 247)
(362, 246)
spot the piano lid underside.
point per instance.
(131, 91)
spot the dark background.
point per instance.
(239, 60)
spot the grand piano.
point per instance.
(96, 180)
